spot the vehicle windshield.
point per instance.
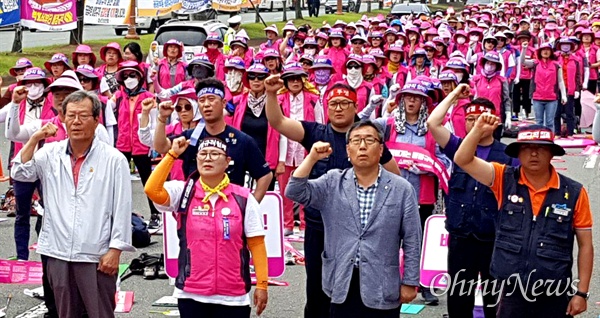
(188, 35)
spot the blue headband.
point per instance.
(211, 90)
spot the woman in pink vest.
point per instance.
(590, 51)
(90, 82)
(460, 67)
(234, 78)
(489, 84)
(111, 55)
(239, 47)
(357, 45)
(250, 118)
(337, 53)
(355, 79)
(455, 118)
(188, 117)
(57, 65)
(382, 64)
(419, 65)
(441, 52)
(17, 72)
(273, 42)
(273, 61)
(521, 99)
(219, 224)
(414, 40)
(459, 42)
(375, 39)
(391, 36)
(323, 71)
(214, 46)
(83, 54)
(431, 52)
(128, 108)
(170, 70)
(547, 84)
(573, 78)
(133, 52)
(298, 103)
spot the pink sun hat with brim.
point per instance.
(67, 79)
(128, 66)
(212, 37)
(354, 58)
(323, 35)
(447, 76)
(271, 53)
(20, 64)
(293, 69)
(414, 87)
(272, 28)
(378, 53)
(32, 74)
(258, 68)
(111, 45)
(235, 62)
(179, 44)
(83, 49)
(86, 70)
(57, 58)
(369, 59)
(321, 62)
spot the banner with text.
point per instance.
(10, 12)
(227, 5)
(154, 8)
(434, 255)
(409, 155)
(109, 12)
(49, 15)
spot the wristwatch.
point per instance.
(582, 294)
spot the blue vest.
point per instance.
(471, 206)
(543, 243)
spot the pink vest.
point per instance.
(310, 100)
(427, 193)
(61, 133)
(220, 67)
(338, 57)
(275, 45)
(545, 81)
(592, 60)
(215, 250)
(272, 155)
(128, 124)
(463, 48)
(506, 53)
(47, 113)
(401, 75)
(457, 117)
(527, 73)
(413, 71)
(490, 88)
(163, 75)
(177, 168)
(572, 82)
(362, 95)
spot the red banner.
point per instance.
(408, 155)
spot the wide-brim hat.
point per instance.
(20, 64)
(202, 60)
(128, 66)
(67, 79)
(293, 69)
(536, 135)
(322, 62)
(235, 62)
(32, 74)
(83, 49)
(211, 38)
(354, 58)
(57, 58)
(239, 41)
(111, 45)
(414, 87)
(272, 28)
(89, 72)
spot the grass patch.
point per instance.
(458, 6)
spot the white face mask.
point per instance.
(131, 83)
(474, 38)
(400, 42)
(234, 80)
(35, 91)
(354, 77)
(310, 51)
(461, 40)
(489, 68)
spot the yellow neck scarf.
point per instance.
(393, 67)
(308, 86)
(216, 190)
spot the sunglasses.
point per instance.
(353, 66)
(130, 75)
(187, 107)
(307, 63)
(260, 77)
(84, 80)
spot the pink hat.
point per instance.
(57, 58)
(67, 79)
(88, 71)
(32, 74)
(293, 69)
(369, 59)
(83, 49)
(128, 66)
(20, 64)
(173, 42)
(237, 63)
(111, 45)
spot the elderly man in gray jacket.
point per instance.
(367, 213)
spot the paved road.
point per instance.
(284, 301)
(100, 32)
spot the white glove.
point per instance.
(377, 100)
(508, 120)
(563, 100)
(516, 81)
(576, 95)
(164, 94)
(394, 91)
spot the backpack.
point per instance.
(139, 232)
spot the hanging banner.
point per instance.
(155, 8)
(49, 15)
(227, 5)
(10, 12)
(194, 6)
(109, 12)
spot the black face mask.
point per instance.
(200, 72)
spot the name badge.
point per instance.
(560, 209)
(226, 235)
(199, 211)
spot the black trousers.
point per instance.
(516, 306)
(467, 258)
(593, 85)
(353, 306)
(317, 303)
(521, 97)
(425, 211)
(189, 308)
(144, 167)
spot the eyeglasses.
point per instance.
(187, 107)
(82, 117)
(84, 80)
(355, 141)
(357, 42)
(430, 50)
(353, 66)
(202, 155)
(411, 98)
(342, 105)
(260, 77)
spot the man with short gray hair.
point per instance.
(367, 212)
(87, 202)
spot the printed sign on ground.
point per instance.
(434, 256)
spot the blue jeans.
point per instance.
(23, 196)
(544, 111)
